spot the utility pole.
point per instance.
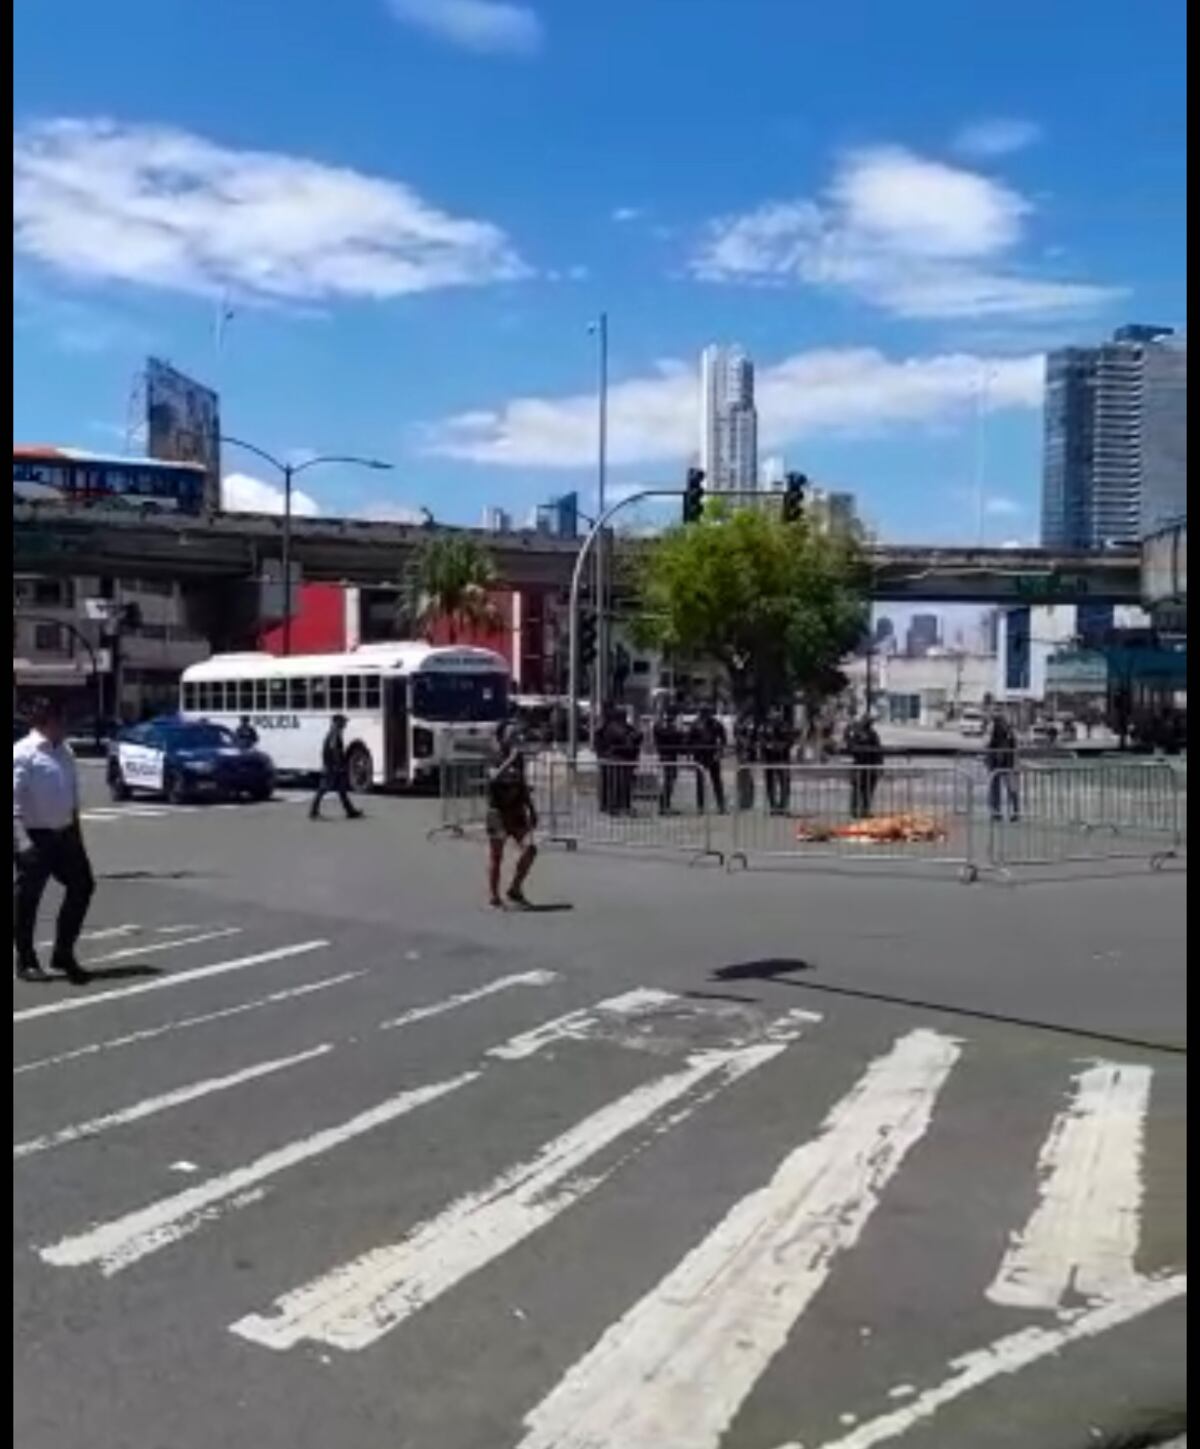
(600, 669)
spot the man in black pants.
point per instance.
(335, 777)
(668, 744)
(706, 743)
(47, 842)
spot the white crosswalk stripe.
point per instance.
(681, 1355)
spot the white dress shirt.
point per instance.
(45, 786)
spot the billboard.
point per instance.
(183, 423)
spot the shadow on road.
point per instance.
(782, 970)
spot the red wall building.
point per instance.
(332, 618)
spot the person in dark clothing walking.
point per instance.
(628, 747)
(668, 745)
(865, 749)
(746, 743)
(245, 734)
(335, 771)
(1000, 757)
(778, 738)
(706, 742)
(511, 815)
(48, 842)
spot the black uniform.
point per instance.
(866, 754)
(706, 742)
(629, 752)
(610, 744)
(746, 749)
(668, 745)
(246, 735)
(778, 739)
(1001, 759)
(335, 776)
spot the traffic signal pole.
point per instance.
(577, 575)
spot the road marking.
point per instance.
(1008, 1356)
(579, 1025)
(187, 1021)
(103, 935)
(124, 1240)
(356, 1303)
(1083, 1235)
(677, 1367)
(127, 953)
(160, 983)
(151, 1106)
(436, 1008)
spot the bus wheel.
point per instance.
(360, 768)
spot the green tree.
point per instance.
(778, 605)
(450, 580)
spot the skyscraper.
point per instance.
(728, 420)
(1115, 458)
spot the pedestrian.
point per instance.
(746, 753)
(668, 745)
(707, 741)
(48, 842)
(1000, 757)
(865, 749)
(778, 739)
(511, 815)
(335, 771)
(245, 734)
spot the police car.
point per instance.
(187, 759)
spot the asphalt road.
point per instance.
(331, 1154)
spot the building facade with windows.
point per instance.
(728, 420)
(1115, 442)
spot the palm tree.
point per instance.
(451, 576)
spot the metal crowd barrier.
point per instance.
(919, 815)
(953, 816)
(646, 805)
(1062, 813)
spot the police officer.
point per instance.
(779, 737)
(865, 749)
(668, 745)
(706, 742)
(746, 745)
(335, 771)
(610, 742)
(629, 752)
(245, 734)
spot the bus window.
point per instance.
(320, 695)
(262, 700)
(277, 695)
(337, 693)
(189, 697)
(372, 694)
(245, 696)
(354, 692)
(204, 697)
(297, 693)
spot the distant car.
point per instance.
(187, 760)
(972, 724)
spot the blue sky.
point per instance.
(413, 208)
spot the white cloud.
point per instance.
(653, 418)
(164, 208)
(626, 213)
(385, 510)
(490, 26)
(998, 506)
(997, 136)
(242, 493)
(914, 236)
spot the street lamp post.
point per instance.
(289, 470)
(600, 684)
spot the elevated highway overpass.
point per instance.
(233, 548)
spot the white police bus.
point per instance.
(410, 707)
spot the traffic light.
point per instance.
(587, 639)
(794, 485)
(693, 496)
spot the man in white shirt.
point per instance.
(47, 842)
